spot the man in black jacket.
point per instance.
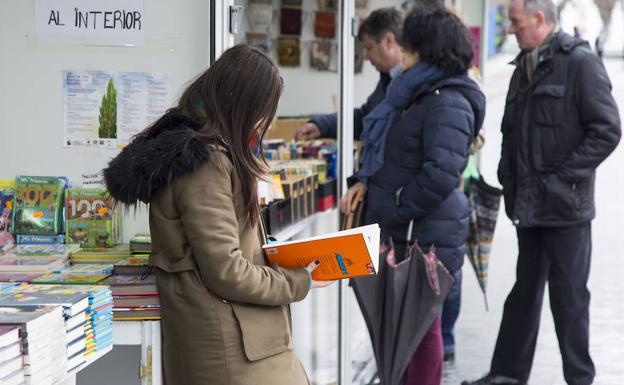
(379, 35)
(560, 123)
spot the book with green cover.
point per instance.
(38, 206)
(91, 218)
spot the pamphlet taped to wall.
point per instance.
(105, 109)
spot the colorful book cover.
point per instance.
(129, 280)
(71, 303)
(38, 205)
(137, 265)
(18, 277)
(6, 210)
(34, 239)
(46, 249)
(74, 279)
(343, 254)
(30, 264)
(91, 218)
(94, 291)
(86, 268)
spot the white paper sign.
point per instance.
(110, 22)
(105, 109)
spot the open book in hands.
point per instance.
(343, 254)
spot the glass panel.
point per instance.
(302, 37)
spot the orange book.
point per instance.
(343, 254)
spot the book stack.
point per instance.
(141, 243)
(18, 277)
(30, 260)
(38, 209)
(74, 311)
(135, 265)
(135, 297)
(11, 358)
(91, 218)
(110, 255)
(99, 317)
(42, 333)
(70, 278)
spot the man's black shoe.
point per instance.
(494, 379)
(449, 357)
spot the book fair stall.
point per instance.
(78, 299)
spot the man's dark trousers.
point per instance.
(561, 256)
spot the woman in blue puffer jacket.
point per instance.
(415, 146)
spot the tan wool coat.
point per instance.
(225, 314)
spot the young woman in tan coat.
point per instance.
(225, 314)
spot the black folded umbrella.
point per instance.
(399, 305)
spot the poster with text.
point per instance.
(105, 109)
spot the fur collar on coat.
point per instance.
(150, 162)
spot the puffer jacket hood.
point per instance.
(172, 149)
(470, 90)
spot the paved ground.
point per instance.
(477, 329)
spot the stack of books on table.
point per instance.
(75, 308)
(11, 358)
(141, 244)
(26, 262)
(42, 332)
(98, 327)
(109, 255)
(18, 277)
(135, 297)
(69, 278)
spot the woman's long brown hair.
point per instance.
(235, 99)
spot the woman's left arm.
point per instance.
(446, 140)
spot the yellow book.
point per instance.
(343, 254)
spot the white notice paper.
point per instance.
(105, 109)
(110, 22)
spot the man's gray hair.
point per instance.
(545, 6)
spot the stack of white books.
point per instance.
(42, 329)
(11, 358)
(75, 315)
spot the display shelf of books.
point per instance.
(306, 224)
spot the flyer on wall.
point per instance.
(105, 109)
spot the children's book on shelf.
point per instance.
(30, 264)
(87, 268)
(343, 254)
(91, 218)
(6, 209)
(131, 285)
(69, 278)
(72, 303)
(137, 265)
(18, 277)
(38, 205)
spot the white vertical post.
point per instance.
(222, 38)
(345, 158)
